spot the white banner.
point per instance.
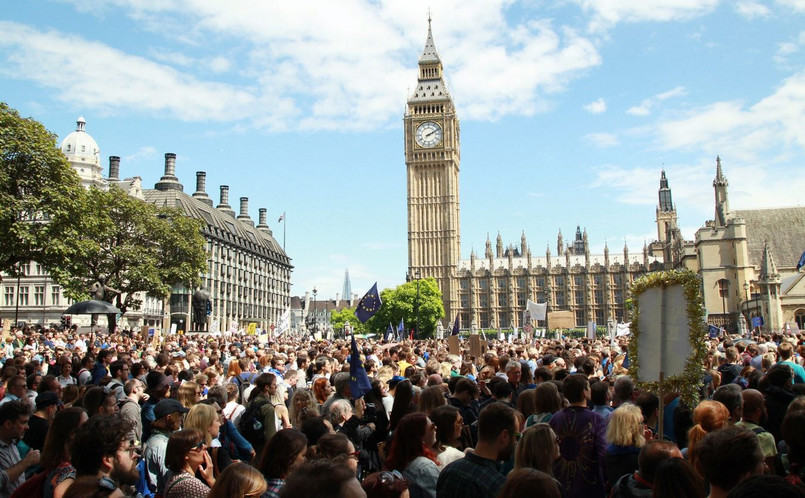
(623, 329)
(284, 322)
(536, 310)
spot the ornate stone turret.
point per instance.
(720, 185)
(499, 246)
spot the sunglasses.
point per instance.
(355, 454)
(199, 447)
(389, 477)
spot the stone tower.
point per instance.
(432, 156)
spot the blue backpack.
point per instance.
(141, 486)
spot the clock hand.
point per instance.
(429, 134)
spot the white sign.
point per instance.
(664, 331)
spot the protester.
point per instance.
(728, 456)
(283, 452)
(625, 438)
(641, 483)
(538, 449)
(239, 480)
(528, 481)
(185, 455)
(411, 455)
(14, 417)
(322, 479)
(449, 426)
(55, 458)
(169, 415)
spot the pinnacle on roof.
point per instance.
(429, 54)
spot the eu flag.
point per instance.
(358, 380)
(368, 305)
(455, 327)
(400, 330)
(801, 261)
(713, 331)
(389, 331)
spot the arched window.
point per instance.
(799, 317)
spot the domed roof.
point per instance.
(79, 146)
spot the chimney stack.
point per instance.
(169, 180)
(114, 168)
(244, 211)
(224, 205)
(201, 188)
(263, 225)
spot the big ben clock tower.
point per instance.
(432, 160)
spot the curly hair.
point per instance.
(101, 436)
(625, 426)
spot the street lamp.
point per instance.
(315, 310)
(417, 276)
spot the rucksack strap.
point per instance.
(174, 483)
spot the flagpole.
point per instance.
(284, 224)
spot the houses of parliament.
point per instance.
(746, 258)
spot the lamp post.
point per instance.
(417, 275)
(315, 311)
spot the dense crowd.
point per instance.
(234, 416)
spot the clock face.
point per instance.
(428, 134)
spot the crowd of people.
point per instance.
(235, 416)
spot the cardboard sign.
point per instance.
(453, 346)
(561, 320)
(144, 333)
(475, 346)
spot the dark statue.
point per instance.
(201, 308)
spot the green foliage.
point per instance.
(134, 247)
(401, 303)
(339, 317)
(40, 194)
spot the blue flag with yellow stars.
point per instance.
(389, 332)
(358, 380)
(368, 305)
(455, 327)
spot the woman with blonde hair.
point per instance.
(538, 449)
(239, 480)
(303, 406)
(206, 418)
(625, 437)
(708, 416)
(189, 394)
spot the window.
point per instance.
(599, 317)
(502, 299)
(501, 283)
(598, 297)
(560, 299)
(579, 296)
(559, 281)
(483, 284)
(39, 295)
(521, 299)
(618, 296)
(541, 282)
(540, 297)
(723, 288)
(23, 297)
(598, 280)
(503, 320)
(578, 280)
(465, 283)
(580, 319)
(521, 282)
(465, 300)
(617, 278)
(483, 300)
(484, 317)
(10, 296)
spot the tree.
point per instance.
(131, 246)
(402, 303)
(40, 194)
(339, 317)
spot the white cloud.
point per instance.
(644, 108)
(752, 10)
(772, 124)
(607, 13)
(146, 152)
(330, 65)
(602, 139)
(596, 106)
(797, 5)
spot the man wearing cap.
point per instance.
(47, 404)
(159, 386)
(169, 415)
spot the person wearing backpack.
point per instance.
(261, 420)
(100, 370)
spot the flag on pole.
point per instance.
(389, 332)
(455, 327)
(358, 380)
(536, 310)
(368, 305)
(401, 330)
(282, 217)
(284, 322)
(801, 261)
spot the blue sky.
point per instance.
(569, 110)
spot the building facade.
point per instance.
(491, 291)
(248, 273)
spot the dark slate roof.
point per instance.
(784, 228)
(220, 225)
